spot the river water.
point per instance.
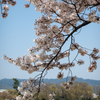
(1, 90)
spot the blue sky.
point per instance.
(16, 37)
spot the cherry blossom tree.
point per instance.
(61, 19)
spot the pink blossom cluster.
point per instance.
(67, 85)
(28, 88)
(5, 7)
(93, 66)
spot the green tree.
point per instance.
(15, 85)
(44, 95)
(81, 90)
(77, 92)
(98, 93)
(9, 94)
(52, 89)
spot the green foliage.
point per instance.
(15, 85)
(96, 89)
(79, 91)
(56, 98)
(12, 92)
(43, 99)
(8, 94)
(44, 95)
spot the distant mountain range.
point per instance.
(7, 83)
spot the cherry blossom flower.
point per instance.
(60, 75)
(95, 51)
(4, 14)
(6, 8)
(80, 62)
(73, 78)
(27, 5)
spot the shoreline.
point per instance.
(1, 90)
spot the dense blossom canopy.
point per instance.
(60, 20)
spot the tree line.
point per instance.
(78, 91)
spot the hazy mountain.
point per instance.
(89, 81)
(7, 83)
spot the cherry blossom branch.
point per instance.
(71, 15)
(84, 24)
